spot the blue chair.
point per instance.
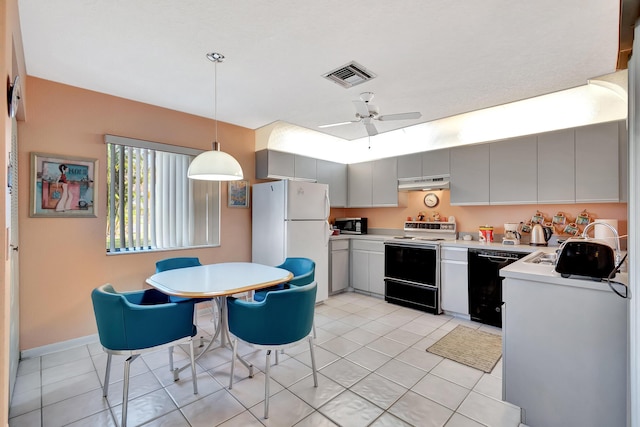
(183, 262)
(283, 319)
(130, 323)
(303, 270)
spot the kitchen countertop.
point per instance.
(522, 269)
(471, 244)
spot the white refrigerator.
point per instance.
(289, 219)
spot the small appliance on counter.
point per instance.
(511, 234)
(540, 235)
(351, 225)
(594, 258)
(485, 233)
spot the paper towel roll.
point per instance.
(603, 232)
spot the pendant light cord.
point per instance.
(215, 102)
(215, 58)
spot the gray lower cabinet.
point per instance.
(470, 175)
(367, 266)
(513, 171)
(335, 176)
(556, 167)
(338, 266)
(454, 293)
(564, 352)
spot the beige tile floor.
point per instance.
(373, 371)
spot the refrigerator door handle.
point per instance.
(329, 233)
(327, 206)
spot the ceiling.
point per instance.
(434, 57)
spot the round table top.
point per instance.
(214, 280)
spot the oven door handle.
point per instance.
(494, 258)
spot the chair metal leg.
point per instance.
(314, 329)
(266, 384)
(233, 361)
(171, 360)
(313, 362)
(193, 367)
(105, 387)
(277, 358)
(125, 388)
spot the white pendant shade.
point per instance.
(215, 166)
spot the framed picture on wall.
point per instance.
(62, 186)
(238, 192)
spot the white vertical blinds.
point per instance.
(152, 203)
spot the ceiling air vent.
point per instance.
(350, 75)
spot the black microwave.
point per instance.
(351, 225)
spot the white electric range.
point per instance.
(412, 265)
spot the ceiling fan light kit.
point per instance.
(215, 165)
(367, 112)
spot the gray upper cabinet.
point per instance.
(428, 163)
(304, 168)
(597, 177)
(384, 182)
(335, 176)
(274, 164)
(373, 184)
(410, 166)
(513, 171)
(623, 165)
(470, 175)
(280, 165)
(556, 167)
(435, 162)
(359, 184)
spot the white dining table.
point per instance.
(218, 281)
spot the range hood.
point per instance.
(424, 184)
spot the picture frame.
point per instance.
(63, 186)
(238, 194)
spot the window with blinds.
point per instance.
(151, 204)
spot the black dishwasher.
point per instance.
(485, 283)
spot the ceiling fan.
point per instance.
(367, 113)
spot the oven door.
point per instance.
(425, 298)
(412, 276)
(418, 263)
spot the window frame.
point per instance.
(211, 215)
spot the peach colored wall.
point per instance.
(469, 218)
(63, 259)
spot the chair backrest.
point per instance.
(108, 307)
(126, 322)
(179, 262)
(303, 270)
(283, 317)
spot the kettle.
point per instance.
(540, 235)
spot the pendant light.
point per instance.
(215, 165)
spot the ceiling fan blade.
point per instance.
(330, 125)
(371, 129)
(400, 116)
(361, 108)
